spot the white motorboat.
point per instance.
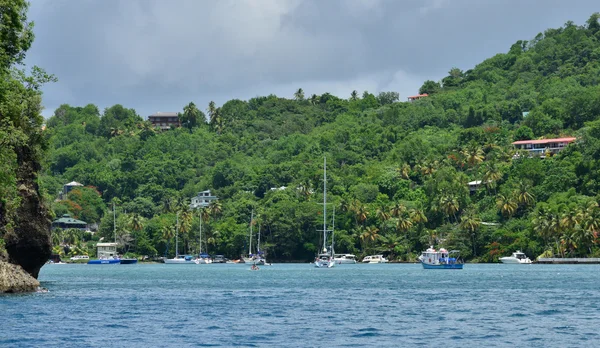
(182, 259)
(375, 259)
(344, 258)
(517, 257)
(325, 259)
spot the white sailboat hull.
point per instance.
(179, 261)
(324, 264)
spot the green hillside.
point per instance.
(398, 172)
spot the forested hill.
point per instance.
(398, 172)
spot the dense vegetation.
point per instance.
(397, 171)
(24, 221)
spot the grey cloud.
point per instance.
(158, 55)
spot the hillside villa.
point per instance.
(417, 97)
(202, 200)
(164, 120)
(542, 146)
(66, 222)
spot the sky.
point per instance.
(159, 55)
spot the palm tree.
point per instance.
(211, 112)
(418, 216)
(403, 223)
(506, 205)
(382, 214)
(299, 94)
(370, 235)
(136, 222)
(397, 210)
(361, 212)
(492, 176)
(168, 233)
(449, 205)
(470, 223)
(215, 208)
(354, 95)
(473, 154)
(314, 99)
(522, 194)
(404, 171)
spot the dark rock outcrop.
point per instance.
(14, 279)
(29, 244)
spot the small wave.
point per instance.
(518, 315)
(116, 326)
(366, 334)
(548, 312)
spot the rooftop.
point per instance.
(419, 96)
(67, 219)
(164, 114)
(73, 183)
(544, 141)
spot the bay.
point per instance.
(296, 305)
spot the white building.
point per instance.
(202, 200)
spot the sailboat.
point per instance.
(203, 258)
(325, 259)
(253, 258)
(179, 259)
(109, 250)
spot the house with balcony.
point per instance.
(202, 200)
(417, 97)
(543, 146)
(164, 120)
(106, 250)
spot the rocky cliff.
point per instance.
(14, 279)
(28, 244)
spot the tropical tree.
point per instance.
(470, 223)
(299, 94)
(354, 95)
(506, 204)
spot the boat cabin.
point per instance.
(106, 250)
(519, 255)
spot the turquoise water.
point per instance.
(295, 305)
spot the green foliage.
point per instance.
(398, 173)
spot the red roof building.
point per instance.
(542, 146)
(417, 97)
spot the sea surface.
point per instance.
(296, 305)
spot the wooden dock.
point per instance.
(560, 260)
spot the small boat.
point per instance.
(344, 258)
(204, 259)
(325, 259)
(375, 259)
(440, 259)
(105, 261)
(181, 259)
(517, 257)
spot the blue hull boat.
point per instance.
(104, 262)
(440, 259)
(443, 266)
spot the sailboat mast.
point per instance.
(258, 245)
(114, 222)
(250, 239)
(176, 234)
(333, 230)
(200, 235)
(324, 204)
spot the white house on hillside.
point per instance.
(202, 200)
